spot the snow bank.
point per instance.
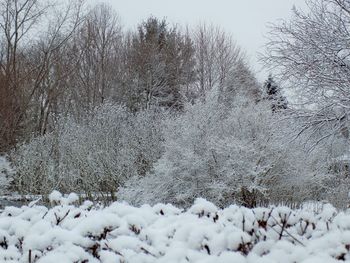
(164, 233)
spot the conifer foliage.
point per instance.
(274, 95)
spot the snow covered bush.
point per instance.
(94, 156)
(237, 154)
(225, 152)
(6, 175)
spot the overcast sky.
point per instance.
(245, 19)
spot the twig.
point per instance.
(285, 230)
(59, 220)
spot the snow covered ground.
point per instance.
(164, 233)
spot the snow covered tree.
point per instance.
(310, 54)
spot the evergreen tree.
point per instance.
(273, 93)
(162, 64)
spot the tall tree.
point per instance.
(96, 47)
(220, 64)
(17, 19)
(162, 64)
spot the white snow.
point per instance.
(163, 233)
(55, 196)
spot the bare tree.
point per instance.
(17, 19)
(216, 57)
(24, 73)
(52, 53)
(97, 46)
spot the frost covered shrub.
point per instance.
(237, 152)
(319, 179)
(225, 155)
(35, 165)
(6, 173)
(337, 183)
(94, 156)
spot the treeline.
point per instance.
(164, 113)
(64, 59)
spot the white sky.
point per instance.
(246, 20)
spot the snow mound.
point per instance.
(163, 233)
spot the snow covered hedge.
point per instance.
(164, 233)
